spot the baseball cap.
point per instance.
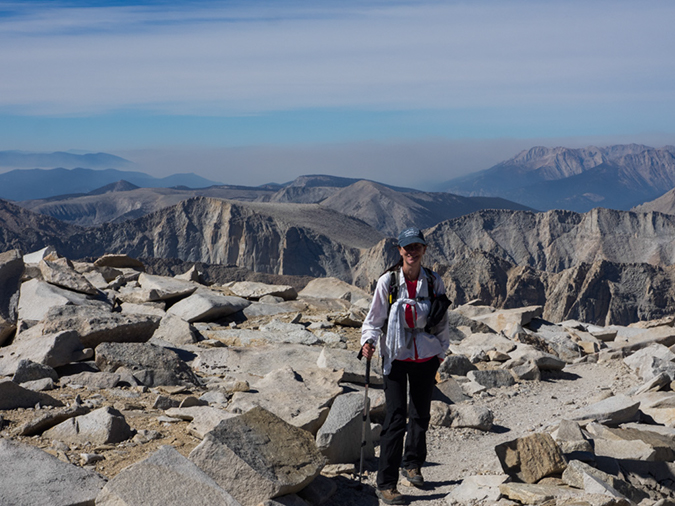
(410, 236)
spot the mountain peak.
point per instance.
(119, 186)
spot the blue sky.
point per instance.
(405, 92)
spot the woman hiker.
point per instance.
(411, 353)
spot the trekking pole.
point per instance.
(365, 413)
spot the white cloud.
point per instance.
(242, 58)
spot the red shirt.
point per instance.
(411, 317)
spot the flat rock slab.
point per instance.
(340, 437)
(299, 398)
(530, 493)
(258, 361)
(95, 326)
(151, 365)
(37, 297)
(29, 476)
(257, 456)
(255, 290)
(102, 426)
(163, 479)
(289, 333)
(354, 369)
(205, 305)
(263, 308)
(611, 411)
(92, 380)
(13, 396)
(246, 337)
(163, 288)
(333, 288)
(664, 335)
(531, 458)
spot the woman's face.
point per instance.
(412, 253)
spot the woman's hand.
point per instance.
(368, 350)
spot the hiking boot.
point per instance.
(414, 476)
(391, 496)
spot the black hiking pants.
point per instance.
(421, 378)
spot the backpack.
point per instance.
(439, 303)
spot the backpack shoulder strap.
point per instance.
(393, 287)
(431, 279)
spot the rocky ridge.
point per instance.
(617, 177)
(136, 393)
(602, 267)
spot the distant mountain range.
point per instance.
(27, 184)
(388, 209)
(615, 177)
(67, 160)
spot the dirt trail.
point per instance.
(519, 410)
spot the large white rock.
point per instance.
(30, 477)
(37, 297)
(175, 330)
(163, 479)
(255, 290)
(339, 438)
(35, 256)
(301, 399)
(479, 489)
(611, 411)
(643, 362)
(664, 335)
(95, 325)
(102, 426)
(354, 369)
(502, 319)
(333, 288)
(205, 305)
(257, 456)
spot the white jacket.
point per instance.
(422, 344)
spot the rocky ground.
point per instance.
(115, 364)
